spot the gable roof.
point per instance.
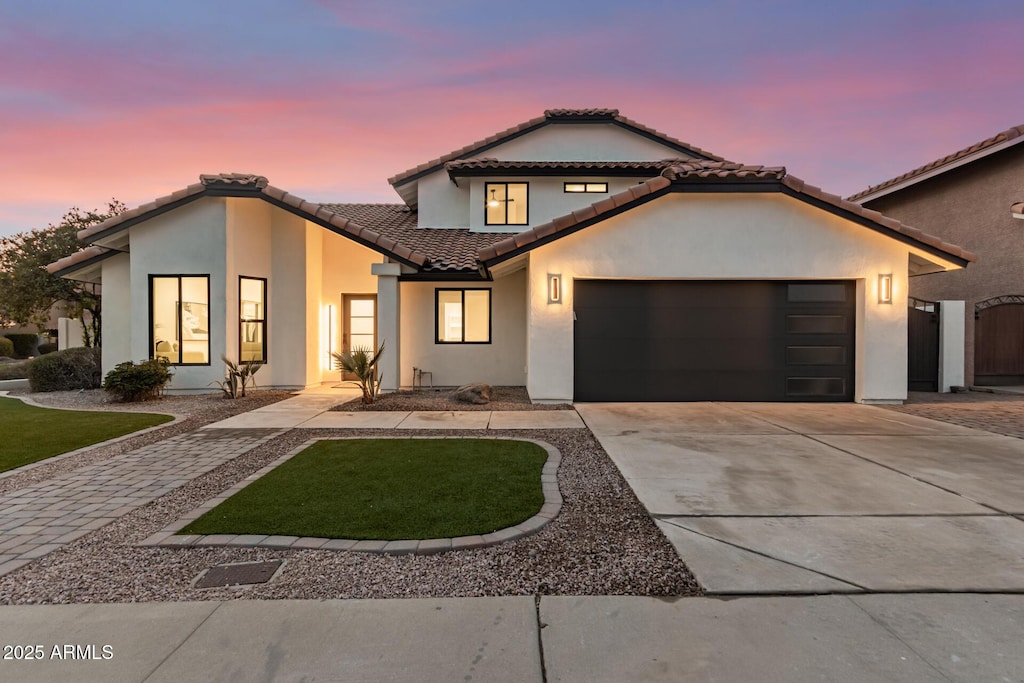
(249, 185)
(551, 116)
(704, 176)
(1007, 138)
(461, 168)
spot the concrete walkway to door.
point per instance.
(823, 498)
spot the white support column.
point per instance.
(389, 313)
(951, 344)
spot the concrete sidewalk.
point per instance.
(834, 638)
(312, 410)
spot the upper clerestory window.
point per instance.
(595, 188)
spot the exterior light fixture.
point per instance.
(885, 288)
(554, 289)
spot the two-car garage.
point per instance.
(686, 340)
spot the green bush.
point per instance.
(6, 348)
(140, 381)
(24, 344)
(46, 348)
(17, 370)
(63, 370)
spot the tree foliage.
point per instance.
(27, 291)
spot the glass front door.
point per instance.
(359, 323)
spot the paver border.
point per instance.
(168, 536)
(84, 449)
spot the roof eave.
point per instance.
(887, 189)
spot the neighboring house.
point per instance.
(580, 254)
(963, 198)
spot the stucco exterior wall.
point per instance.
(442, 204)
(502, 362)
(116, 325)
(188, 241)
(582, 142)
(345, 270)
(723, 236)
(970, 207)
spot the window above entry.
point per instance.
(506, 203)
(589, 188)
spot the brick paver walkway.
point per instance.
(999, 413)
(39, 519)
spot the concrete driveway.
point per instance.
(823, 498)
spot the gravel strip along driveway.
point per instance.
(998, 413)
(602, 543)
(196, 411)
(504, 398)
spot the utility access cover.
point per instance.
(240, 574)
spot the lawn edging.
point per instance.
(84, 449)
(167, 537)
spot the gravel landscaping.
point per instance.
(602, 543)
(193, 411)
(504, 398)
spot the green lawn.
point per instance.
(28, 433)
(388, 489)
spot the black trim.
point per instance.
(642, 173)
(505, 201)
(244, 193)
(87, 262)
(576, 228)
(566, 184)
(209, 331)
(444, 276)
(868, 223)
(747, 186)
(463, 290)
(262, 321)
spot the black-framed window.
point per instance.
(506, 203)
(252, 319)
(179, 317)
(589, 188)
(462, 316)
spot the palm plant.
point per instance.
(361, 362)
(239, 375)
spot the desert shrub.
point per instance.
(46, 348)
(6, 348)
(63, 370)
(24, 344)
(17, 370)
(140, 381)
(238, 376)
(362, 362)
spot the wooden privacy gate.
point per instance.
(922, 345)
(999, 341)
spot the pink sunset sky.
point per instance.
(328, 98)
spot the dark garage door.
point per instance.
(713, 341)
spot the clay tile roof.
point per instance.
(1005, 136)
(233, 180)
(448, 250)
(248, 185)
(696, 171)
(551, 115)
(89, 254)
(490, 163)
(1017, 210)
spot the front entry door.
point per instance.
(359, 324)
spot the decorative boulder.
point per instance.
(477, 392)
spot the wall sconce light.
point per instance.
(554, 289)
(885, 288)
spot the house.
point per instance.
(580, 253)
(963, 198)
